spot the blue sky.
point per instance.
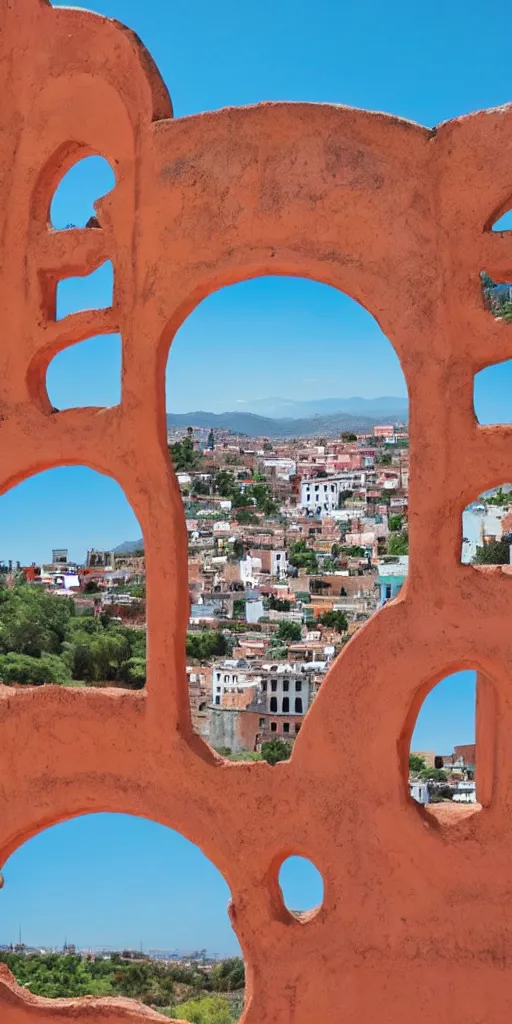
(104, 878)
(113, 880)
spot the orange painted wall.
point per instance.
(415, 923)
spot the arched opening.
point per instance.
(93, 291)
(294, 491)
(72, 593)
(302, 885)
(487, 529)
(86, 374)
(73, 201)
(452, 750)
(110, 936)
(491, 394)
(497, 297)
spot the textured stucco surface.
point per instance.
(416, 919)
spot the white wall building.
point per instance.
(278, 564)
(322, 494)
(250, 567)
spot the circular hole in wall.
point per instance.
(302, 885)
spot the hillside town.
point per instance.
(292, 546)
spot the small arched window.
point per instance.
(273, 704)
(286, 705)
(298, 705)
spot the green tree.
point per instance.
(500, 497)
(276, 750)
(289, 631)
(344, 495)
(494, 552)
(279, 605)
(334, 620)
(303, 557)
(353, 551)
(211, 1010)
(395, 523)
(211, 440)
(238, 549)
(25, 669)
(239, 608)
(398, 544)
(244, 516)
(200, 487)
(434, 774)
(183, 454)
(348, 436)
(228, 975)
(225, 483)
(416, 763)
(383, 459)
(206, 644)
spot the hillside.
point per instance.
(252, 425)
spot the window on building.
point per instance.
(226, 679)
(298, 705)
(297, 727)
(274, 685)
(217, 699)
(286, 727)
(286, 685)
(273, 727)
(218, 676)
(388, 591)
(286, 705)
(298, 685)
(218, 688)
(273, 704)
(264, 686)
(261, 723)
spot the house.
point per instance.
(392, 574)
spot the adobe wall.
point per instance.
(398, 216)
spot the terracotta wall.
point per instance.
(415, 921)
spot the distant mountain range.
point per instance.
(289, 408)
(301, 419)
